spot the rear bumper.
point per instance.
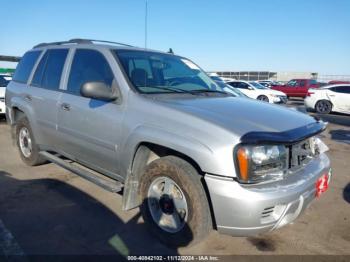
(245, 210)
(309, 103)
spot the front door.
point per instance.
(340, 98)
(89, 129)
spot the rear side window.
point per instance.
(88, 66)
(49, 71)
(25, 66)
(341, 89)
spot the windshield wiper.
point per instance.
(210, 91)
(174, 89)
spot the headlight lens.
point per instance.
(261, 163)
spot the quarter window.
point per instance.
(88, 66)
(25, 66)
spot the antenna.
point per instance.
(146, 18)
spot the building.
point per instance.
(265, 75)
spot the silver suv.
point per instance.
(156, 127)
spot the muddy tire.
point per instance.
(175, 206)
(28, 149)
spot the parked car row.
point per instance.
(324, 99)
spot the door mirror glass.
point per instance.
(98, 90)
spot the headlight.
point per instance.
(261, 163)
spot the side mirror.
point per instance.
(98, 90)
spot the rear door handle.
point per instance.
(28, 97)
(65, 107)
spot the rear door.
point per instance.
(340, 98)
(45, 94)
(88, 128)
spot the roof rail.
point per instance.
(79, 41)
(103, 41)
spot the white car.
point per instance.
(257, 91)
(4, 80)
(332, 98)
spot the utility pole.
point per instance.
(146, 18)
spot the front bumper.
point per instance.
(245, 210)
(2, 107)
(280, 99)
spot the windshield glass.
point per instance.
(257, 85)
(152, 72)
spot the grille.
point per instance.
(300, 154)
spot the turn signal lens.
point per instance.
(243, 162)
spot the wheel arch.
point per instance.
(145, 153)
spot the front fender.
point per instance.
(190, 147)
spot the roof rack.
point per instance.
(80, 41)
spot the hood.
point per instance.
(2, 92)
(240, 115)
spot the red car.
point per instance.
(297, 87)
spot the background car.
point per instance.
(333, 98)
(257, 91)
(297, 87)
(269, 83)
(4, 80)
(227, 88)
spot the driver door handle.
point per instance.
(65, 106)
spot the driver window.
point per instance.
(292, 83)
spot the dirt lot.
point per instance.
(46, 210)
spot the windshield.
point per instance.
(257, 85)
(152, 72)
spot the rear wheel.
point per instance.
(263, 98)
(27, 147)
(175, 206)
(323, 107)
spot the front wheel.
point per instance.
(263, 98)
(323, 107)
(175, 206)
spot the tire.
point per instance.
(194, 218)
(323, 107)
(263, 98)
(28, 149)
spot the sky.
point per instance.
(271, 35)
